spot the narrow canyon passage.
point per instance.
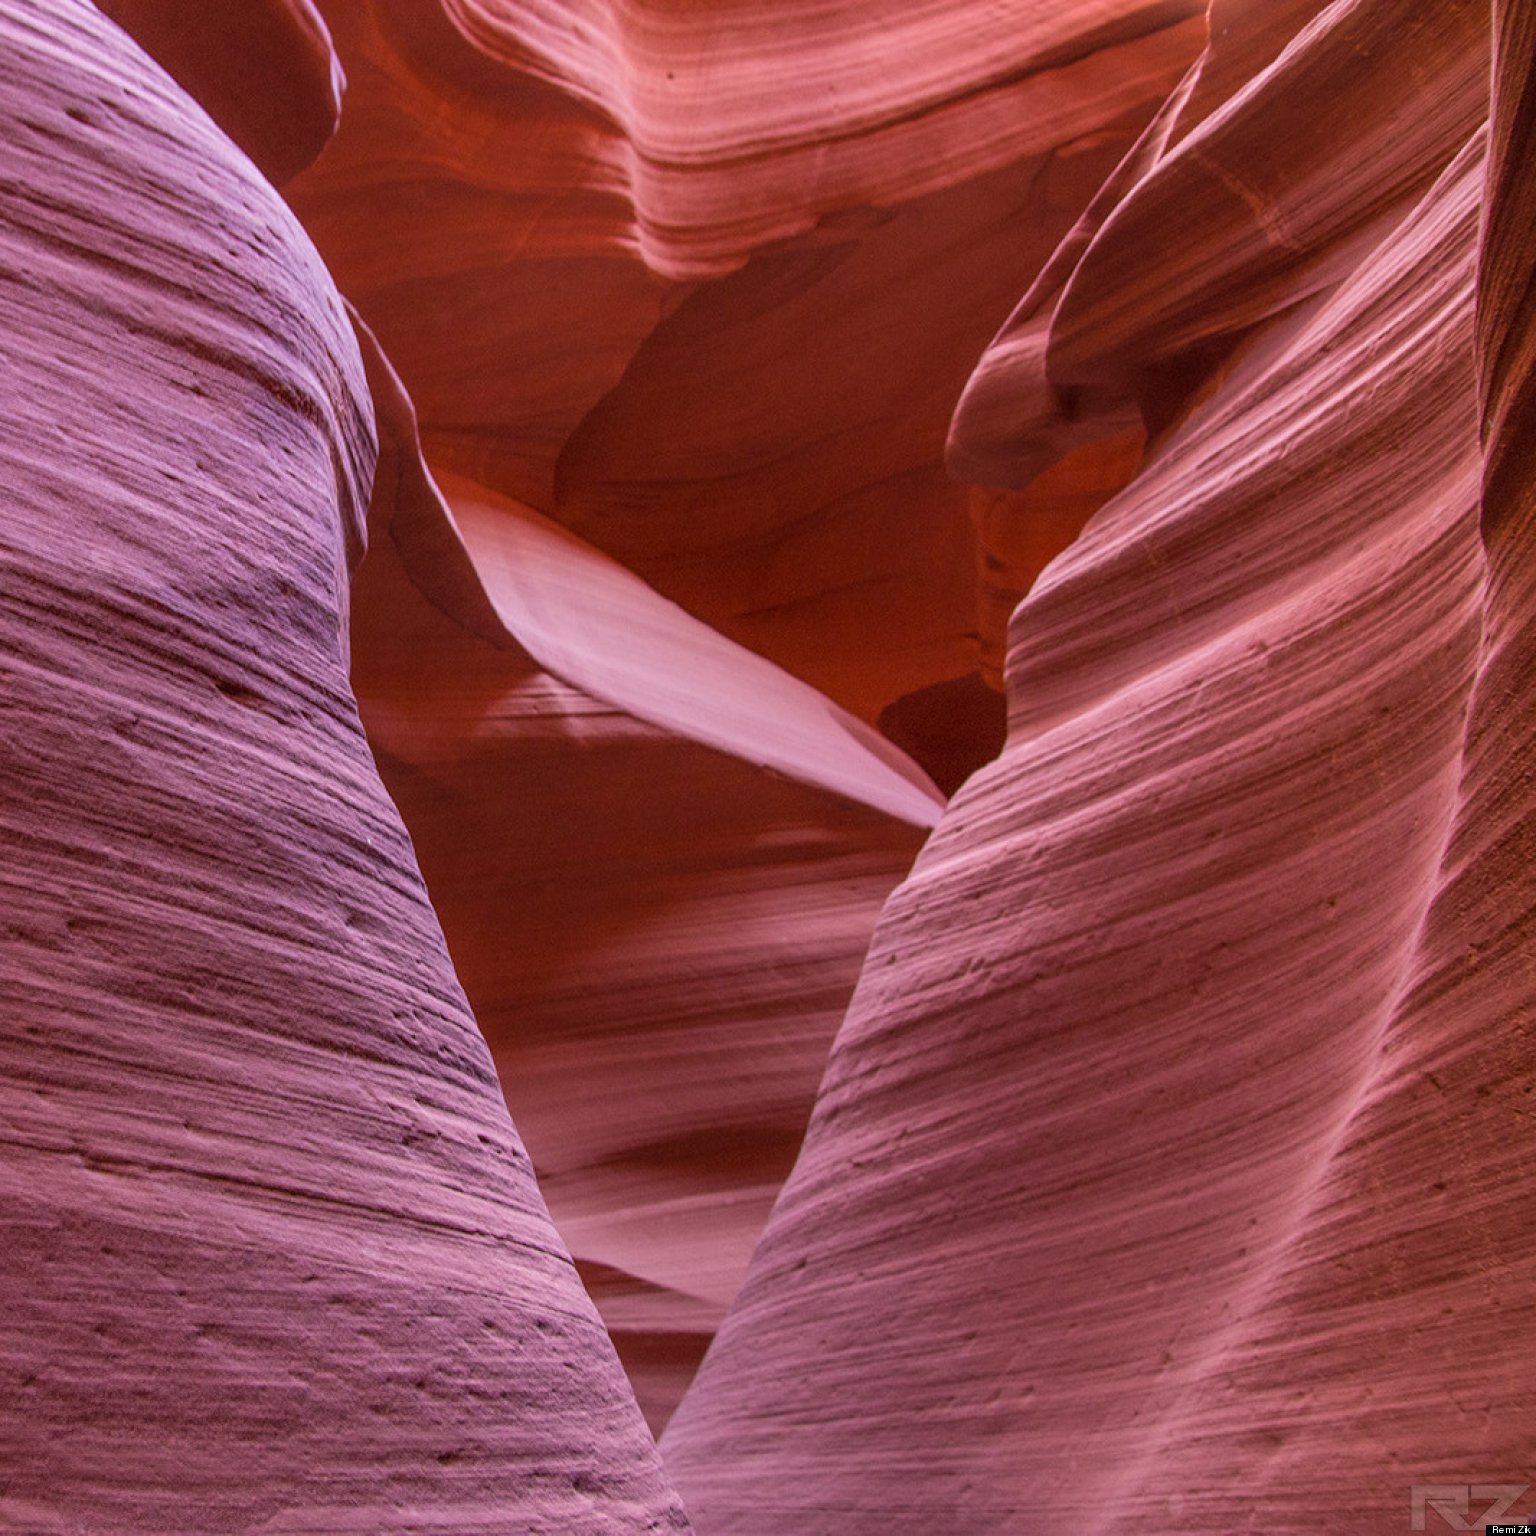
(764, 766)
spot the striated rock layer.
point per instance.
(703, 283)
(273, 1255)
(658, 861)
(1172, 1166)
(619, 300)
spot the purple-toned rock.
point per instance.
(273, 1257)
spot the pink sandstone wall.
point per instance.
(1172, 1165)
(273, 1256)
(1120, 406)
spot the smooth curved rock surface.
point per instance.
(744, 123)
(1013, 421)
(273, 1256)
(658, 861)
(1272, 205)
(264, 70)
(1172, 1165)
(1108, 343)
(1507, 276)
(718, 330)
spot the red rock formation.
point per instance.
(264, 69)
(745, 123)
(795, 498)
(273, 1255)
(719, 330)
(1170, 1166)
(658, 861)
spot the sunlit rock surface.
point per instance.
(273, 1256)
(788, 395)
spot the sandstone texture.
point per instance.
(273, 1256)
(1172, 1165)
(703, 282)
(658, 860)
(904, 629)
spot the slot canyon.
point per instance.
(767, 767)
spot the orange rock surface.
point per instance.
(719, 331)
(658, 860)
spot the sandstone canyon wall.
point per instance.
(274, 1258)
(622, 307)
(1172, 1165)
(658, 860)
(745, 426)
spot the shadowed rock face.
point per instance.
(718, 328)
(633, 903)
(264, 69)
(658, 860)
(1153, 1150)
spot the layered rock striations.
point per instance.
(274, 1258)
(658, 860)
(617, 302)
(703, 283)
(1171, 1164)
